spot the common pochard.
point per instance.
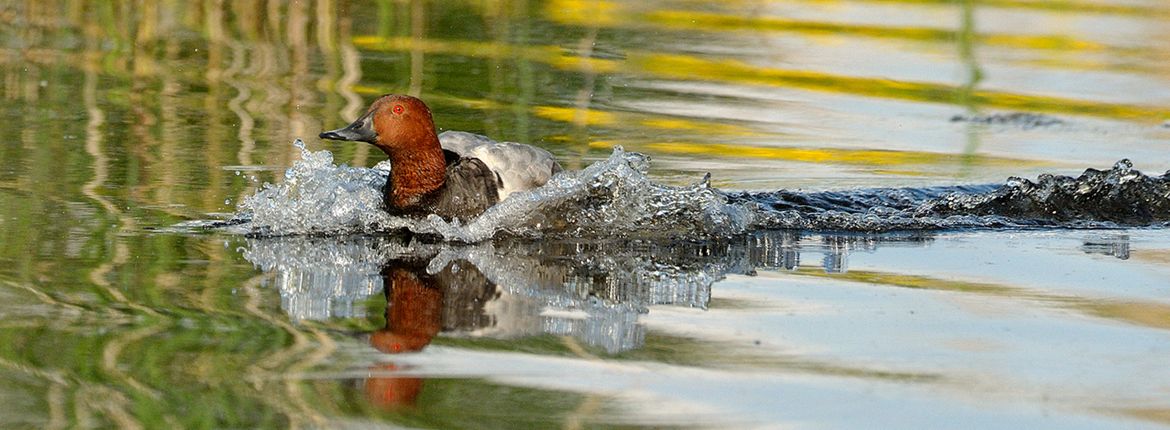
(456, 175)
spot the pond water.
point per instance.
(858, 258)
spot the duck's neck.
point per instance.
(414, 311)
(415, 171)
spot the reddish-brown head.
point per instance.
(392, 123)
(402, 123)
(401, 126)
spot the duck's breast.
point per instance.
(519, 167)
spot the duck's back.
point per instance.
(519, 167)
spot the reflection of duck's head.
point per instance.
(392, 392)
(413, 317)
(457, 182)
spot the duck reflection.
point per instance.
(418, 306)
(592, 292)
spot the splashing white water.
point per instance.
(317, 197)
(614, 199)
(611, 198)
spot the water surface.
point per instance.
(125, 123)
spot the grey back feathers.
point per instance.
(517, 166)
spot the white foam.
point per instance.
(611, 198)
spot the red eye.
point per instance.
(398, 109)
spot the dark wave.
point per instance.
(1118, 197)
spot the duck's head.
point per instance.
(392, 123)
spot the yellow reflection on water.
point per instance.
(571, 115)
(705, 21)
(1146, 314)
(609, 14)
(688, 67)
(552, 55)
(1072, 6)
(1158, 415)
(694, 68)
(868, 157)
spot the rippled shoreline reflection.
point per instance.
(592, 291)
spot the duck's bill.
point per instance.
(360, 130)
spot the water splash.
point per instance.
(612, 198)
(318, 197)
(615, 199)
(1119, 197)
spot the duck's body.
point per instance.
(457, 175)
(520, 167)
(469, 188)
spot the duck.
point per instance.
(455, 175)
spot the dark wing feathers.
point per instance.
(469, 190)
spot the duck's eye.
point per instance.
(398, 109)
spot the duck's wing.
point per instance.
(520, 167)
(470, 188)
